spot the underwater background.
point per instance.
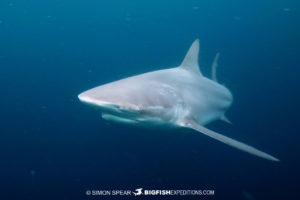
(54, 147)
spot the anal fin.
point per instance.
(225, 119)
(229, 141)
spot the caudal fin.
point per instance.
(214, 68)
(229, 141)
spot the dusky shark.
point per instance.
(177, 97)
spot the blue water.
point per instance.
(54, 147)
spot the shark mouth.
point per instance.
(88, 100)
(108, 107)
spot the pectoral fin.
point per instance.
(229, 141)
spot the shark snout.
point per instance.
(84, 98)
(87, 98)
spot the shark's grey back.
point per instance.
(171, 94)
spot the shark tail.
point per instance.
(214, 78)
(214, 67)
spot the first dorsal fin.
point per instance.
(190, 61)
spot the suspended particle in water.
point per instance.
(32, 172)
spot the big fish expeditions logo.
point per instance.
(147, 192)
(138, 192)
